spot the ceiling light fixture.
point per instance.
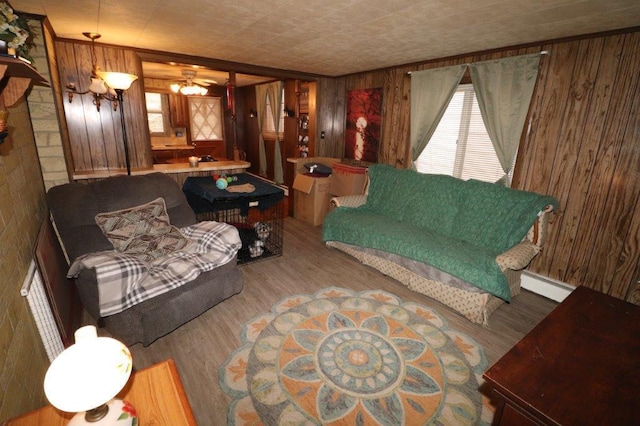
(189, 88)
(98, 89)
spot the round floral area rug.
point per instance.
(349, 358)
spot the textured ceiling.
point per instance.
(330, 37)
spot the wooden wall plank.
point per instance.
(138, 129)
(611, 269)
(397, 85)
(563, 182)
(330, 114)
(535, 161)
(606, 137)
(74, 111)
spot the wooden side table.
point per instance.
(156, 392)
(579, 366)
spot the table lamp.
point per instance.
(86, 377)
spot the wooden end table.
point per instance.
(156, 392)
(579, 366)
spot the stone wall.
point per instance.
(23, 359)
(45, 120)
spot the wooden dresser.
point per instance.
(579, 366)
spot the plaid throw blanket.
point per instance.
(127, 279)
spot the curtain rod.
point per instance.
(542, 52)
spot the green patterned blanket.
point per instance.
(457, 226)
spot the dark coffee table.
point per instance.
(579, 366)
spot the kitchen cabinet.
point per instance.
(179, 110)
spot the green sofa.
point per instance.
(457, 241)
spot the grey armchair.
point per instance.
(73, 209)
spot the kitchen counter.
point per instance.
(170, 147)
(231, 167)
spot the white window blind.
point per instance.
(205, 115)
(460, 146)
(156, 112)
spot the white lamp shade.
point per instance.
(118, 80)
(97, 86)
(87, 374)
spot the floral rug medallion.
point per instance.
(349, 358)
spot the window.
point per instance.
(460, 146)
(205, 115)
(269, 126)
(157, 107)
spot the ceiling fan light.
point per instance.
(193, 89)
(175, 87)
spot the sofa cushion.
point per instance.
(482, 213)
(471, 263)
(424, 200)
(144, 230)
(494, 216)
(78, 230)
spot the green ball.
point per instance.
(229, 179)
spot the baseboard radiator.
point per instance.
(545, 286)
(33, 290)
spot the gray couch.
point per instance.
(73, 208)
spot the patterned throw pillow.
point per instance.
(142, 230)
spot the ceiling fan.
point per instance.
(192, 85)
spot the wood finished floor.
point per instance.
(306, 266)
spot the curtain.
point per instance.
(431, 92)
(274, 91)
(261, 106)
(504, 88)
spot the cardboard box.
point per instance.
(348, 180)
(311, 193)
(311, 198)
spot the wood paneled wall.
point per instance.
(583, 148)
(95, 138)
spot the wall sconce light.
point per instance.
(98, 89)
(253, 113)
